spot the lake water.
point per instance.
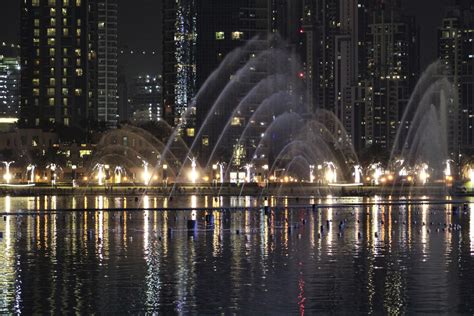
(384, 259)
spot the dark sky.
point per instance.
(140, 29)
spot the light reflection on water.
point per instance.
(385, 259)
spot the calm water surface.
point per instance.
(384, 261)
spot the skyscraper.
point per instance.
(392, 51)
(456, 51)
(9, 86)
(68, 63)
(146, 99)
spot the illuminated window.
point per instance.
(235, 121)
(65, 91)
(52, 12)
(64, 11)
(37, 22)
(78, 3)
(52, 81)
(79, 72)
(52, 22)
(36, 82)
(205, 141)
(36, 32)
(65, 101)
(65, 3)
(66, 121)
(190, 132)
(52, 52)
(51, 41)
(64, 81)
(35, 3)
(65, 22)
(51, 101)
(78, 32)
(78, 62)
(65, 72)
(101, 25)
(220, 36)
(65, 31)
(78, 52)
(51, 92)
(78, 92)
(237, 35)
(36, 41)
(52, 3)
(79, 22)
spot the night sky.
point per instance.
(140, 29)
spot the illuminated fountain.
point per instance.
(193, 174)
(357, 174)
(31, 169)
(100, 173)
(7, 176)
(118, 173)
(54, 176)
(423, 174)
(331, 173)
(377, 172)
(146, 174)
(311, 174)
(248, 169)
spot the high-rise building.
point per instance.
(68, 63)
(392, 71)
(456, 51)
(179, 57)
(146, 99)
(9, 86)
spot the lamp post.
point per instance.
(74, 168)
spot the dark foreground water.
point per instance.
(384, 261)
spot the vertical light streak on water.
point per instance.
(424, 232)
(329, 238)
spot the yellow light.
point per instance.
(38, 177)
(410, 178)
(46, 178)
(390, 177)
(383, 180)
(206, 178)
(155, 178)
(368, 178)
(286, 179)
(125, 179)
(85, 179)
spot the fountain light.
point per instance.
(423, 173)
(7, 176)
(471, 175)
(31, 169)
(357, 174)
(311, 173)
(118, 172)
(331, 174)
(53, 167)
(248, 168)
(193, 174)
(100, 174)
(378, 172)
(146, 174)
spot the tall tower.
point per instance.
(456, 51)
(179, 58)
(67, 62)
